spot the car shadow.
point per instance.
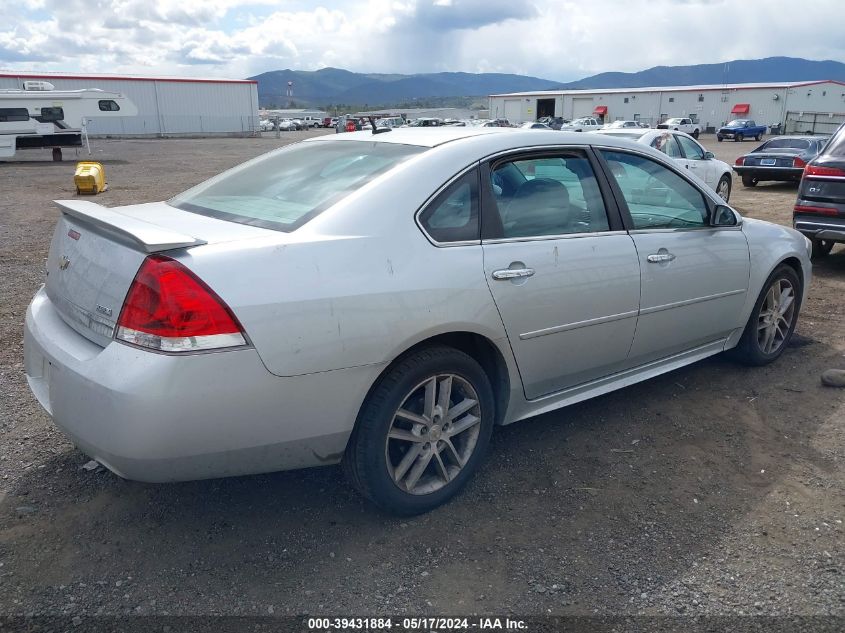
(624, 491)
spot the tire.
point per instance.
(821, 248)
(724, 187)
(753, 351)
(695, 134)
(739, 138)
(719, 138)
(748, 180)
(758, 137)
(434, 474)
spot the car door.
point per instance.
(694, 155)
(562, 271)
(694, 276)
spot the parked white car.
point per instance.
(622, 125)
(266, 125)
(681, 125)
(684, 149)
(585, 124)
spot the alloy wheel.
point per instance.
(433, 434)
(723, 189)
(776, 316)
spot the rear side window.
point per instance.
(8, 115)
(548, 195)
(284, 189)
(453, 215)
(108, 105)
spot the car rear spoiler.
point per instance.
(150, 237)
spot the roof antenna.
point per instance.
(377, 130)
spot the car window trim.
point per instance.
(623, 204)
(433, 197)
(491, 224)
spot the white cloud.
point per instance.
(547, 38)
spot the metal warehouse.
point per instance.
(167, 106)
(809, 106)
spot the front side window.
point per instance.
(286, 188)
(547, 195)
(692, 150)
(453, 215)
(656, 196)
(667, 144)
(108, 105)
(49, 115)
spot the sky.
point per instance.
(552, 39)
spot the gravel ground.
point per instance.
(716, 489)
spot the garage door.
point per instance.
(813, 122)
(513, 110)
(582, 106)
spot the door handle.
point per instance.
(513, 273)
(657, 258)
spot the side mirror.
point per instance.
(723, 215)
(708, 156)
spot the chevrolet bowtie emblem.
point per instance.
(64, 262)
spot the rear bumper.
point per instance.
(819, 227)
(157, 417)
(762, 173)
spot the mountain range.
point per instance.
(335, 86)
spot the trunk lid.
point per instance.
(96, 251)
(830, 189)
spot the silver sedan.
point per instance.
(384, 300)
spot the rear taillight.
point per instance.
(797, 162)
(170, 309)
(805, 208)
(818, 170)
(740, 161)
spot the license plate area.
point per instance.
(768, 162)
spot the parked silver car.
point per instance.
(383, 300)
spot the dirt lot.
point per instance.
(716, 489)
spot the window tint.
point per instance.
(657, 197)
(667, 144)
(7, 115)
(453, 215)
(548, 195)
(284, 189)
(48, 115)
(692, 149)
(107, 105)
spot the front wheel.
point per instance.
(718, 138)
(723, 188)
(821, 248)
(422, 432)
(772, 320)
(739, 138)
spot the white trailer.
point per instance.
(39, 116)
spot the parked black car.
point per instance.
(782, 158)
(820, 209)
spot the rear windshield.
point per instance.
(286, 188)
(786, 143)
(836, 147)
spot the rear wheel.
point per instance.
(723, 188)
(758, 137)
(748, 180)
(821, 248)
(695, 134)
(422, 432)
(772, 320)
